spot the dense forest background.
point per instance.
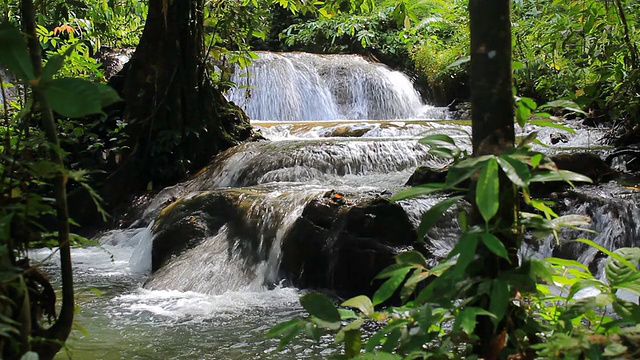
(168, 115)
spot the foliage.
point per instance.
(585, 51)
(542, 301)
(27, 173)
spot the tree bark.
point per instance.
(176, 119)
(493, 133)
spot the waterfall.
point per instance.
(243, 254)
(303, 86)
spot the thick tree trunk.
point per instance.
(493, 133)
(177, 120)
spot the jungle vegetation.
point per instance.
(169, 104)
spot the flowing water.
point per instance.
(216, 302)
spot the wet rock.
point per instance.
(347, 131)
(343, 248)
(558, 137)
(426, 175)
(186, 222)
(587, 164)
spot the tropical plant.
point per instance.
(33, 187)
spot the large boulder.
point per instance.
(343, 247)
(339, 242)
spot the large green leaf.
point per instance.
(431, 216)
(320, 306)
(517, 171)
(620, 274)
(487, 190)
(14, 54)
(75, 98)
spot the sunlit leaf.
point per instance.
(559, 175)
(487, 194)
(362, 303)
(517, 171)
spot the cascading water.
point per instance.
(217, 298)
(303, 86)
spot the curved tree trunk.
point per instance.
(47, 342)
(176, 119)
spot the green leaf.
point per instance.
(412, 258)
(320, 306)
(495, 245)
(387, 289)
(352, 343)
(565, 104)
(347, 314)
(362, 303)
(568, 263)
(620, 274)
(419, 190)
(583, 284)
(437, 140)
(559, 175)
(411, 284)
(63, 95)
(614, 349)
(53, 65)
(528, 139)
(14, 54)
(392, 341)
(466, 319)
(460, 61)
(487, 190)
(517, 171)
(282, 327)
(431, 216)
(312, 331)
(551, 124)
(464, 169)
(500, 299)
(290, 335)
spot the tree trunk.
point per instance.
(493, 133)
(176, 118)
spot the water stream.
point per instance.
(215, 302)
